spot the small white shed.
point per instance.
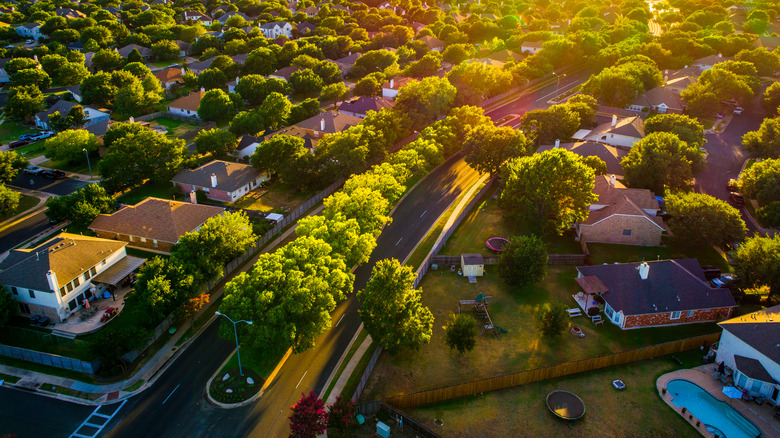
(472, 265)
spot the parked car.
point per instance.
(54, 174)
(33, 170)
(26, 136)
(732, 185)
(737, 199)
(738, 110)
(723, 281)
(17, 144)
(42, 136)
(29, 42)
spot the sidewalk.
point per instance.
(348, 370)
(148, 373)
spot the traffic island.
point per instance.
(230, 388)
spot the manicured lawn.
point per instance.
(10, 130)
(521, 411)
(8, 378)
(276, 197)
(31, 150)
(261, 364)
(163, 64)
(81, 166)
(162, 190)
(135, 252)
(131, 317)
(176, 128)
(135, 386)
(25, 203)
(42, 341)
(609, 253)
(522, 348)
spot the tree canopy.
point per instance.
(662, 160)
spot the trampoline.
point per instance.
(497, 243)
(565, 405)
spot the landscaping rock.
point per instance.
(225, 377)
(250, 381)
(229, 391)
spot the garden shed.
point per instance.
(473, 265)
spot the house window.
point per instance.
(103, 263)
(675, 315)
(143, 239)
(70, 287)
(93, 270)
(756, 389)
(24, 308)
(154, 243)
(689, 314)
(72, 304)
(626, 232)
(62, 291)
(14, 290)
(76, 282)
(31, 292)
(742, 380)
(608, 310)
(86, 275)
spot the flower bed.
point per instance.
(235, 388)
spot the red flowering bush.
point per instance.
(341, 414)
(309, 418)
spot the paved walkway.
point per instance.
(760, 416)
(348, 370)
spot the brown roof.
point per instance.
(399, 82)
(189, 102)
(618, 199)
(158, 219)
(432, 42)
(172, 74)
(628, 126)
(334, 122)
(609, 154)
(592, 284)
(230, 176)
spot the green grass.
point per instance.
(161, 190)
(274, 197)
(707, 123)
(352, 383)
(521, 411)
(163, 64)
(262, 364)
(44, 341)
(67, 391)
(131, 317)
(9, 378)
(25, 203)
(80, 166)
(10, 130)
(611, 253)
(44, 369)
(176, 128)
(31, 150)
(135, 386)
(355, 345)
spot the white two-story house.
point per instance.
(275, 29)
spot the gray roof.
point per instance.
(309, 141)
(63, 106)
(752, 368)
(334, 122)
(671, 285)
(230, 176)
(125, 51)
(629, 126)
(202, 65)
(760, 330)
(609, 154)
(364, 104)
(472, 259)
(100, 128)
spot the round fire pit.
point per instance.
(566, 405)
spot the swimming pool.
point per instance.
(715, 414)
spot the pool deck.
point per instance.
(761, 416)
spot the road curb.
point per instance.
(252, 399)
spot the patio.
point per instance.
(761, 416)
(84, 321)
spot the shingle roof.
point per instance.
(473, 259)
(760, 330)
(171, 74)
(125, 51)
(285, 72)
(189, 102)
(432, 42)
(712, 60)
(154, 218)
(334, 122)
(621, 200)
(63, 106)
(628, 126)
(399, 82)
(230, 176)
(67, 255)
(609, 154)
(660, 95)
(309, 141)
(752, 368)
(592, 284)
(198, 67)
(364, 104)
(671, 285)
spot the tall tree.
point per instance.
(392, 312)
(701, 219)
(559, 122)
(424, 101)
(764, 143)
(217, 142)
(24, 102)
(82, 206)
(662, 160)
(686, 128)
(523, 261)
(10, 165)
(757, 263)
(69, 145)
(487, 148)
(460, 332)
(137, 156)
(216, 105)
(280, 156)
(762, 181)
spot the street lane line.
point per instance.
(444, 193)
(299, 382)
(169, 395)
(423, 213)
(399, 241)
(562, 89)
(339, 321)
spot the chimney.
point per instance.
(237, 79)
(183, 72)
(392, 83)
(643, 269)
(202, 90)
(720, 55)
(132, 119)
(194, 197)
(557, 142)
(614, 120)
(612, 180)
(322, 124)
(52, 278)
(213, 180)
(35, 57)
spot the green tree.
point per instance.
(111, 344)
(523, 261)
(163, 286)
(424, 101)
(16, 65)
(108, 60)
(392, 311)
(661, 160)
(460, 333)
(701, 219)
(334, 93)
(138, 69)
(368, 86)
(487, 148)
(761, 181)
(137, 156)
(212, 78)
(247, 122)
(69, 145)
(8, 306)
(686, 128)
(9, 199)
(260, 61)
(34, 77)
(24, 102)
(769, 214)
(135, 56)
(216, 105)
(757, 263)
(275, 110)
(764, 143)
(597, 164)
(279, 156)
(217, 142)
(82, 206)
(771, 99)
(165, 50)
(553, 320)
(10, 165)
(342, 234)
(306, 81)
(252, 89)
(373, 61)
(559, 122)
(52, 64)
(71, 74)
(553, 189)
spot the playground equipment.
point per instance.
(565, 405)
(497, 243)
(480, 304)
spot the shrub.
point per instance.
(553, 320)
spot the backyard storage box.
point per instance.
(472, 265)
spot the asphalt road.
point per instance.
(20, 410)
(22, 231)
(58, 187)
(187, 414)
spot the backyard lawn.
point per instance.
(25, 203)
(81, 166)
(176, 128)
(10, 131)
(522, 348)
(31, 150)
(276, 197)
(521, 411)
(163, 190)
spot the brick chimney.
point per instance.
(392, 83)
(557, 142)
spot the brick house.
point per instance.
(654, 294)
(187, 106)
(621, 215)
(56, 277)
(362, 105)
(748, 345)
(390, 88)
(220, 180)
(168, 77)
(153, 223)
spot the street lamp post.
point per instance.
(238, 351)
(88, 165)
(558, 80)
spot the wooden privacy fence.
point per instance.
(408, 401)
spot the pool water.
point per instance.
(711, 411)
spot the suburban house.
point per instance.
(433, 43)
(328, 122)
(361, 106)
(248, 143)
(146, 53)
(195, 16)
(346, 63)
(768, 42)
(30, 30)
(707, 62)
(506, 56)
(75, 92)
(655, 293)
(284, 73)
(184, 48)
(220, 180)
(198, 67)
(489, 62)
(168, 77)
(619, 132)
(621, 215)
(154, 223)
(223, 19)
(609, 154)
(749, 346)
(4, 76)
(664, 99)
(91, 115)
(390, 89)
(305, 28)
(69, 13)
(56, 277)
(187, 106)
(275, 29)
(531, 47)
